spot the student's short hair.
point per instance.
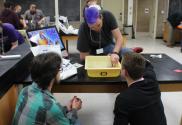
(8, 4)
(134, 63)
(45, 68)
(32, 5)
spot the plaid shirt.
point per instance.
(39, 107)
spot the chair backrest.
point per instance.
(24, 34)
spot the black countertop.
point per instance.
(15, 71)
(12, 70)
(164, 68)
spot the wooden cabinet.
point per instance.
(165, 31)
(170, 35)
(7, 106)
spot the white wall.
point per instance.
(117, 8)
(130, 12)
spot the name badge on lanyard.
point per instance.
(100, 51)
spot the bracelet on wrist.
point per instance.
(115, 53)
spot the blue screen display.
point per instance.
(46, 36)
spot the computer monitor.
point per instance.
(45, 36)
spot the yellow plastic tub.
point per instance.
(101, 66)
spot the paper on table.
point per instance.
(67, 69)
(45, 48)
(77, 65)
(10, 56)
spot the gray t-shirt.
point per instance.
(88, 40)
(33, 19)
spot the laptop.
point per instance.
(45, 36)
(50, 36)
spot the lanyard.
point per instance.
(99, 41)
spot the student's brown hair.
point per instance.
(134, 64)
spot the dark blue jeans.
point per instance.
(109, 49)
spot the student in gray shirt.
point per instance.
(34, 17)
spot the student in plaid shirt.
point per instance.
(36, 105)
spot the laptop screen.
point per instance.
(45, 36)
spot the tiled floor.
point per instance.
(98, 108)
